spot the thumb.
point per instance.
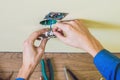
(41, 47)
(43, 43)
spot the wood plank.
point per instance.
(82, 75)
(81, 64)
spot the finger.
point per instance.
(41, 78)
(62, 26)
(72, 22)
(59, 35)
(67, 20)
(43, 43)
(41, 48)
(36, 34)
(76, 23)
(80, 24)
(56, 29)
(59, 30)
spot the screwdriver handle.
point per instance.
(44, 74)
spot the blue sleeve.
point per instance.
(108, 65)
(19, 79)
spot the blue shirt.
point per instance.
(107, 64)
(19, 79)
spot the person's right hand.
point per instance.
(75, 34)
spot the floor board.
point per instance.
(80, 64)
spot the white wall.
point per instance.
(19, 18)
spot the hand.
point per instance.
(32, 54)
(74, 33)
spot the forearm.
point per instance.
(93, 45)
(26, 71)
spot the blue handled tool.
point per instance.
(50, 69)
(44, 74)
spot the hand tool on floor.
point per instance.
(66, 71)
(50, 69)
(66, 74)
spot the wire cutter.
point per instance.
(50, 69)
(66, 71)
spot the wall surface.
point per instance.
(19, 18)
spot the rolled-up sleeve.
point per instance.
(108, 65)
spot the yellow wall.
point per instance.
(19, 18)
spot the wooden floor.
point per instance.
(80, 64)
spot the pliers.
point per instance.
(50, 69)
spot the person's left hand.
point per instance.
(32, 54)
